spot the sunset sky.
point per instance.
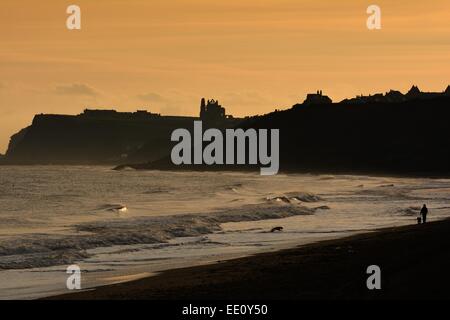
(252, 55)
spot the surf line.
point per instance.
(240, 146)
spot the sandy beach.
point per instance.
(414, 262)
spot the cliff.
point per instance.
(405, 135)
(391, 133)
(97, 137)
(376, 137)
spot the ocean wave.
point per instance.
(410, 211)
(156, 190)
(41, 250)
(113, 208)
(327, 177)
(387, 191)
(295, 197)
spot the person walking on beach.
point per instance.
(424, 213)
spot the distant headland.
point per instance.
(384, 133)
(99, 136)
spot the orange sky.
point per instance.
(252, 55)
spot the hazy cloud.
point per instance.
(76, 89)
(151, 97)
(246, 99)
(171, 109)
(167, 105)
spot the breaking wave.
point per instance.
(113, 208)
(295, 197)
(410, 211)
(42, 250)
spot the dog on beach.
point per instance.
(277, 229)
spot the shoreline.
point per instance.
(414, 262)
(287, 171)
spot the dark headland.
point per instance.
(414, 262)
(99, 137)
(391, 133)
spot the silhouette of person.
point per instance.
(424, 213)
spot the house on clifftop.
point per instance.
(317, 98)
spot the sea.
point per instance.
(119, 226)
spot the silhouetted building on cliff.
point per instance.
(394, 96)
(414, 92)
(113, 114)
(317, 98)
(211, 111)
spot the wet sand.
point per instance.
(414, 262)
